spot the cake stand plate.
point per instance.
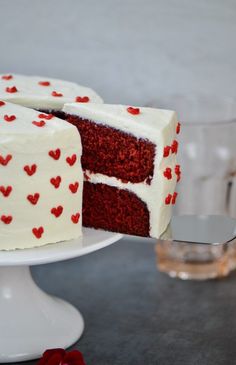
(31, 320)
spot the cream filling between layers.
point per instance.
(152, 195)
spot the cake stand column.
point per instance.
(31, 320)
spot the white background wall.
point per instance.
(129, 51)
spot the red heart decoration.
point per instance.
(166, 151)
(56, 181)
(71, 159)
(46, 116)
(82, 99)
(41, 123)
(2, 103)
(6, 191)
(4, 161)
(38, 232)
(174, 146)
(133, 111)
(44, 83)
(57, 94)
(7, 77)
(174, 198)
(9, 118)
(57, 211)
(75, 218)
(55, 154)
(11, 90)
(168, 199)
(74, 187)
(178, 128)
(6, 219)
(33, 199)
(178, 172)
(30, 170)
(177, 169)
(167, 173)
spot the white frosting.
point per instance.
(29, 144)
(155, 125)
(33, 95)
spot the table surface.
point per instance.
(135, 315)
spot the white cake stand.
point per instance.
(31, 320)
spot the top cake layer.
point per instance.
(155, 125)
(146, 123)
(44, 93)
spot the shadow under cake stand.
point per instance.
(31, 320)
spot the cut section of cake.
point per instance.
(129, 163)
(45, 94)
(41, 179)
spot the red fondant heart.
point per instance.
(4, 161)
(41, 123)
(6, 190)
(74, 187)
(174, 147)
(33, 199)
(30, 170)
(56, 94)
(71, 159)
(57, 211)
(173, 201)
(6, 219)
(75, 218)
(82, 99)
(46, 116)
(44, 83)
(2, 103)
(9, 118)
(11, 90)
(178, 172)
(7, 77)
(38, 232)
(133, 111)
(56, 181)
(168, 199)
(178, 128)
(167, 173)
(166, 151)
(55, 154)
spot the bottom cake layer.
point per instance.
(112, 209)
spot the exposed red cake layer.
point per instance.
(111, 209)
(114, 153)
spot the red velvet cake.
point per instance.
(129, 163)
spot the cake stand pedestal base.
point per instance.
(31, 320)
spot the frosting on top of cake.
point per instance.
(43, 92)
(142, 122)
